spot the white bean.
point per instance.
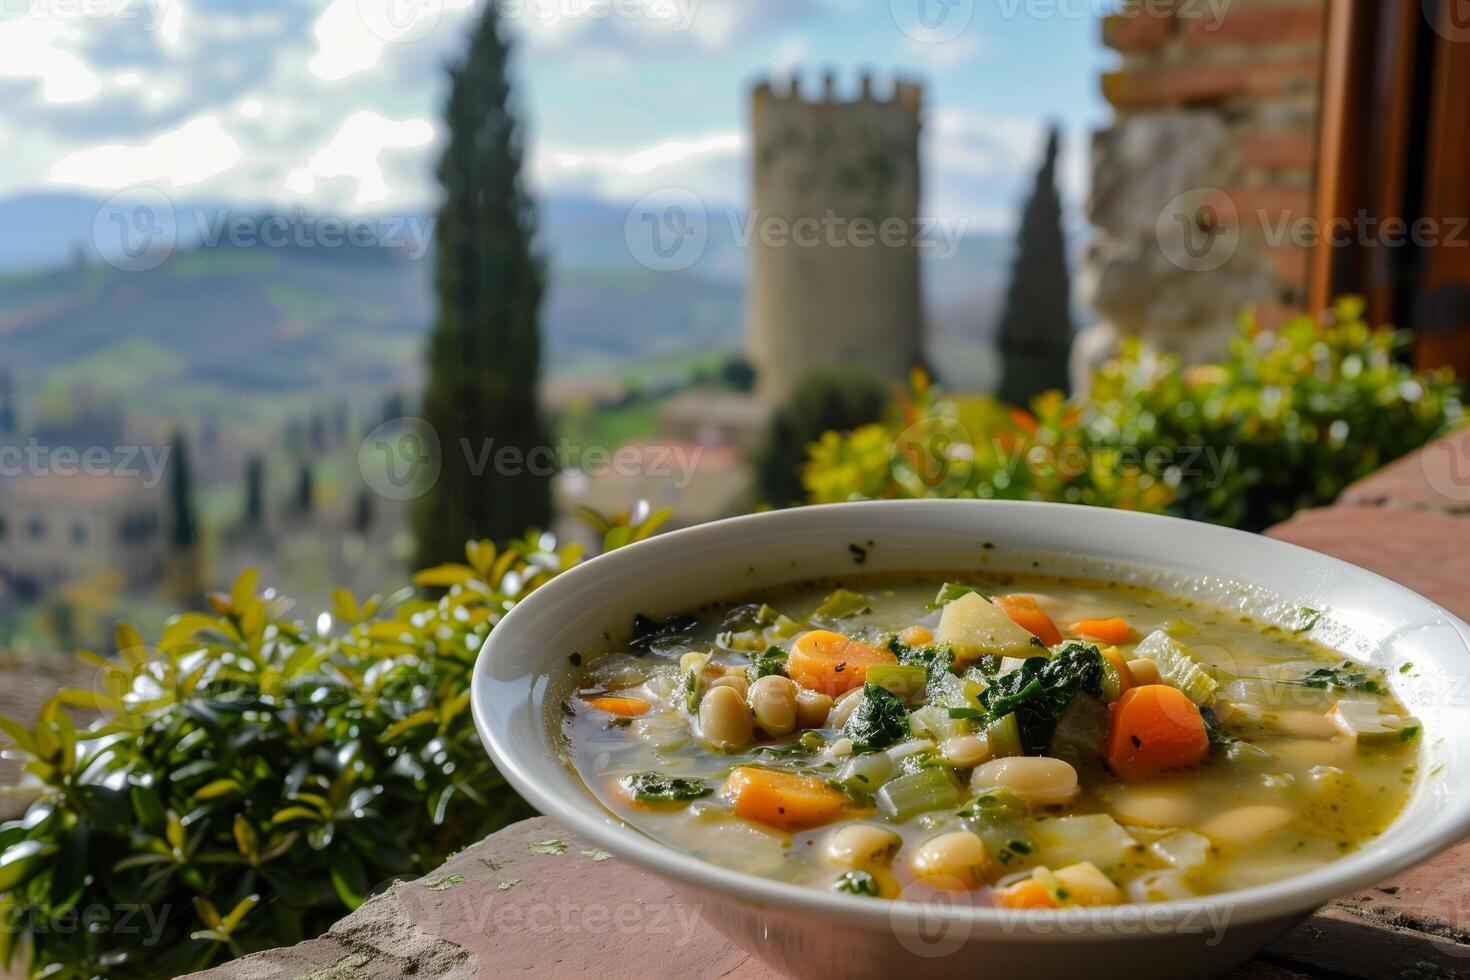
(724, 720)
(858, 845)
(1144, 670)
(773, 702)
(965, 751)
(1035, 779)
(737, 681)
(812, 708)
(949, 858)
(1247, 824)
(1302, 724)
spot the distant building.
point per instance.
(57, 529)
(715, 418)
(835, 234)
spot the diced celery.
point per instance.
(861, 775)
(950, 691)
(905, 682)
(1177, 668)
(1081, 730)
(918, 792)
(1008, 664)
(975, 627)
(1097, 838)
(1004, 736)
(767, 626)
(691, 667)
(934, 721)
(1365, 721)
(1112, 682)
(1183, 850)
(841, 604)
(1001, 820)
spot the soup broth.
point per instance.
(1029, 742)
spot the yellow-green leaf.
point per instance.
(344, 606)
(244, 589)
(443, 576)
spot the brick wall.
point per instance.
(1218, 94)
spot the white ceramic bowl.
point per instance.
(523, 674)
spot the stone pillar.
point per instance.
(1202, 182)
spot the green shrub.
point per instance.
(824, 400)
(1302, 412)
(1288, 420)
(254, 776)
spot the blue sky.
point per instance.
(333, 105)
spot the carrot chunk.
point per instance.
(832, 663)
(1028, 893)
(1025, 613)
(784, 800)
(916, 636)
(1155, 728)
(624, 707)
(1115, 630)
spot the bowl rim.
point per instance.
(1297, 894)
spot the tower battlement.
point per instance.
(790, 89)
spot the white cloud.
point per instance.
(354, 152)
(701, 164)
(351, 34)
(196, 151)
(28, 49)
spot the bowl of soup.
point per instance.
(954, 736)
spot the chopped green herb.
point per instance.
(1348, 677)
(547, 848)
(859, 553)
(950, 591)
(446, 882)
(857, 883)
(771, 662)
(878, 721)
(1307, 619)
(576, 659)
(598, 854)
(655, 787)
(509, 883)
(1041, 689)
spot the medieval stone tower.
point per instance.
(834, 249)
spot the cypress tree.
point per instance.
(1036, 328)
(826, 399)
(254, 491)
(484, 354)
(183, 527)
(305, 489)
